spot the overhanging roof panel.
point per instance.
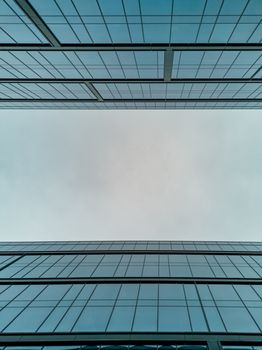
(147, 21)
(128, 54)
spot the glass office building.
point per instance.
(131, 295)
(130, 54)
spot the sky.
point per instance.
(105, 175)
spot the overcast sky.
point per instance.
(83, 175)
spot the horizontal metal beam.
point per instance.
(30, 339)
(38, 22)
(130, 81)
(126, 251)
(135, 47)
(130, 280)
(126, 100)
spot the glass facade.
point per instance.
(130, 54)
(125, 289)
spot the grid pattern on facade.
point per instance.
(233, 246)
(127, 265)
(131, 308)
(206, 293)
(137, 53)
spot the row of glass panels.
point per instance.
(130, 347)
(131, 308)
(127, 265)
(131, 245)
(130, 91)
(130, 105)
(177, 91)
(128, 64)
(118, 347)
(136, 21)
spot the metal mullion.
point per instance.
(141, 19)
(202, 307)
(208, 264)
(71, 261)
(29, 92)
(232, 64)
(68, 23)
(33, 266)
(239, 90)
(74, 65)
(201, 20)
(188, 313)
(259, 87)
(200, 63)
(3, 93)
(75, 52)
(217, 88)
(49, 93)
(214, 25)
(113, 307)
(51, 64)
(37, 20)
(10, 72)
(242, 301)
(118, 264)
(221, 265)
(11, 65)
(14, 89)
(236, 266)
(53, 265)
(98, 264)
(65, 88)
(54, 307)
(23, 21)
(216, 64)
(23, 63)
(127, 24)
(216, 307)
(5, 32)
(136, 303)
(69, 307)
(120, 64)
(7, 264)
(236, 24)
(203, 90)
(90, 296)
(136, 65)
(83, 23)
(24, 308)
(128, 263)
(250, 264)
(171, 21)
(76, 265)
(43, 67)
(257, 26)
(116, 86)
(103, 17)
